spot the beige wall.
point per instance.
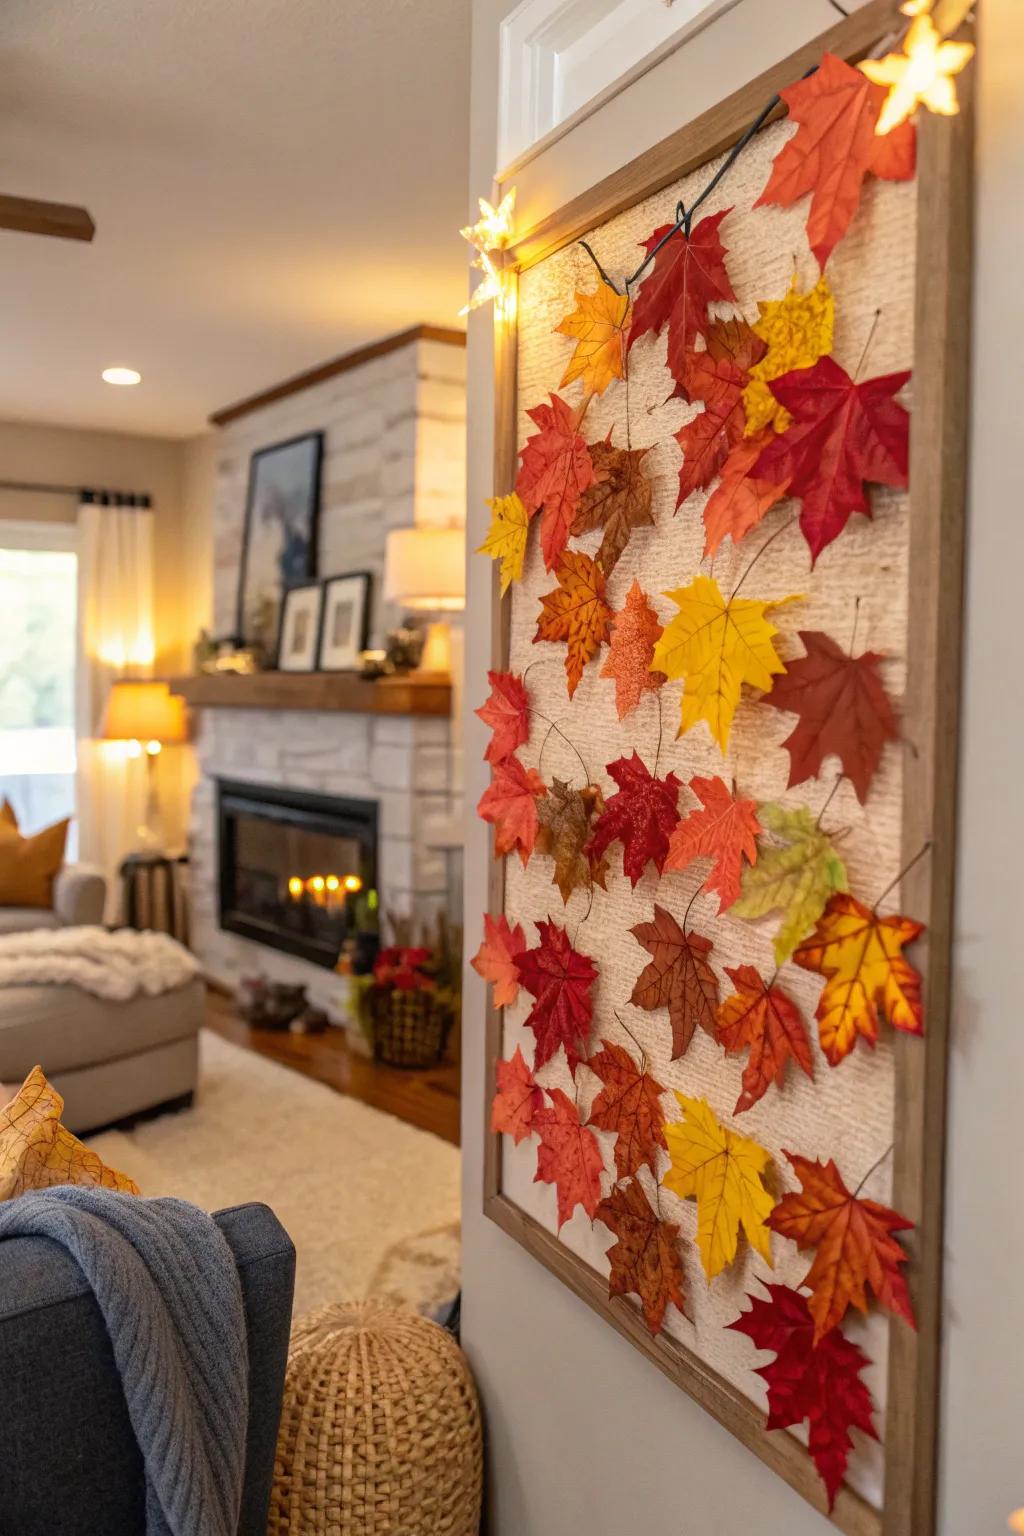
(583, 1434)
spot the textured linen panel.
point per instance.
(846, 1112)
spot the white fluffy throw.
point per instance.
(115, 966)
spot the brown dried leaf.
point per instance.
(565, 817)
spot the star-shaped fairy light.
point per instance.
(491, 232)
(921, 74)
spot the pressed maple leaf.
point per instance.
(736, 340)
(836, 110)
(38, 1152)
(795, 875)
(707, 438)
(820, 1383)
(740, 499)
(506, 537)
(724, 830)
(760, 1017)
(687, 276)
(507, 712)
(678, 978)
(645, 1262)
(576, 612)
(599, 324)
(629, 1104)
(566, 818)
(855, 1248)
(795, 331)
(635, 631)
(844, 711)
(568, 1156)
(497, 958)
(843, 435)
(510, 802)
(717, 645)
(559, 978)
(618, 501)
(555, 471)
(724, 1173)
(866, 975)
(641, 816)
(517, 1100)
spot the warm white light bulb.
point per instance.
(122, 376)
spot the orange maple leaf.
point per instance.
(495, 960)
(599, 324)
(866, 976)
(576, 612)
(517, 1100)
(724, 830)
(635, 632)
(568, 1156)
(555, 471)
(740, 499)
(37, 1152)
(510, 803)
(629, 1104)
(645, 1261)
(856, 1251)
(707, 438)
(764, 1018)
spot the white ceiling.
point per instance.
(273, 182)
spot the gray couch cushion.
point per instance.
(20, 919)
(63, 1027)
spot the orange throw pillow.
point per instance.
(8, 820)
(29, 865)
(36, 1151)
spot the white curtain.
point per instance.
(115, 639)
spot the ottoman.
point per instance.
(110, 1061)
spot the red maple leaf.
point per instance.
(507, 712)
(817, 1382)
(641, 816)
(630, 1105)
(842, 435)
(568, 1156)
(645, 1261)
(510, 802)
(708, 437)
(556, 470)
(833, 149)
(856, 1251)
(496, 959)
(844, 711)
(560, 979)
(678, 978)
(687, 276)
(763, 1018)
(725, 831)
(740, 499)
(517, 1100)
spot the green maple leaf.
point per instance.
(794, 876)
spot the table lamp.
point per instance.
(149, 715)
(425, 570)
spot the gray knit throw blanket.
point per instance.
(166, 1283)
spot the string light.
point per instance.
(491, 233)
(922, 73)
(1016, 1521)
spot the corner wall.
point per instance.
(583, 1435)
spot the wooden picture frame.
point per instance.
(283, 498)
(298, 635)
(936, 535)
(349, 591)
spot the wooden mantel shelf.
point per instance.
(426, 693)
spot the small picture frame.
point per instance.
(346, 621)
(298, 637)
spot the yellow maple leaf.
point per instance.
(599, 323)
(36, 1151)
(506, 537)
(921, 74)
(724, 1173)
(717, 646)
(797, 330)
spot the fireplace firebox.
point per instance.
(298, 871)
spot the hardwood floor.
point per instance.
(428, 1099)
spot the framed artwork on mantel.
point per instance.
(279, 535)
(727, 534)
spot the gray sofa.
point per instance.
(79, 896)
(69, 1462)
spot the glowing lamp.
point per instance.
(145, 712)
(425, 570)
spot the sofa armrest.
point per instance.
(79, 895)
(69, 1461)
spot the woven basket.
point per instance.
(380, 1429)
(410, 1029)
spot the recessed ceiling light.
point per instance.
(121, 376)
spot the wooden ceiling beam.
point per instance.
(63, 221)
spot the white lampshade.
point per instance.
(426, 568)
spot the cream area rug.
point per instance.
(371, 1204)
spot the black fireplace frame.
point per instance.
(314, 813)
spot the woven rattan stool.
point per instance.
(380, 1429)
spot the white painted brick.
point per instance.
(391, 768)
(393, 731)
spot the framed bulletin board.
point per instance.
(731, 429)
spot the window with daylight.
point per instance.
(38, 600)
